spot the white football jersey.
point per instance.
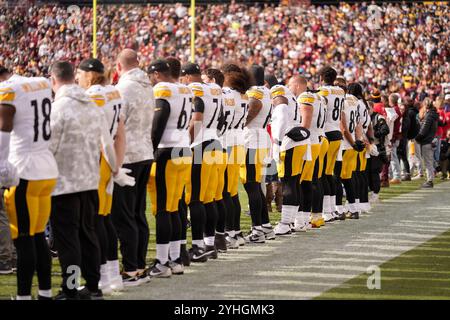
(335, 97)
(228, 109)
(290, 114)
(107, 97)
(255, 133)
(351, 116)
(236, 128)
(318, 119)
(211, 94)
(363, 116)
(180, 99)
(29, 152)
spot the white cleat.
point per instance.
(282, 229)
(300, 225)
(116, 283)
(328, 217)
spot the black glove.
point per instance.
(298, 134)
(358, 145)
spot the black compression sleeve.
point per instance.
(162, 112)
(199, 105)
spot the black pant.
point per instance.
(128, 215)
(374, 166)
(73, 224)
(402, 154)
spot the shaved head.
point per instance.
(297, 84)
(127, 60)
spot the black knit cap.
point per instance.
(159, 65)
(92, 65)
(190, 68)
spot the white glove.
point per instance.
(276, 152)
(373, 150)
(8, 175)
(122, 179)
(110, 186)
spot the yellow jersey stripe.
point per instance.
(162, 93)
(256, 94)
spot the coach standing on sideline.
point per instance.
(129, 203)
(79, 132)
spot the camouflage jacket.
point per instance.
(79, 134)
(139, 103)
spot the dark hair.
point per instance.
(328, 74)
(230, 67)
(63, 71)
(215, 74)
(356, 89)
(239, 81)
(3, 71)
(175, 67)
(271, 80)
(257, 73)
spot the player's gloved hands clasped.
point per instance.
(122, 179)
(358, 145)
(8, 175)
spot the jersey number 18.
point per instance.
(46, 107)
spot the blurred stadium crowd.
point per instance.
(409, 51)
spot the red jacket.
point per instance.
(379, 108)
(443, 117)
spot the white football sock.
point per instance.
(162, 252)
(23, 297)
(267, 225)
(231, 233)
(45, 293)
(198, 243)
(184, 241)
(114, 267)
(174, 249)
(209, 241)
(333, 203)
(104, 275)
(326, 203)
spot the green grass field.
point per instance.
(422, 273)
(8, 282)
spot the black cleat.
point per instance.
(354, 215)
(341, 216)
(211, 251)
(85, 294)
(197, 254)
(64, 296)
(220, 243)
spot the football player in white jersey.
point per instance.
(237, 80)
(362, 188)
(311, 187)
(257, 146)
(185, 91)
(172, 164)
(351, 145)
(29, 170)
(207, 153)
(290, 135)
(90, 76)
(226, 115)
(335, 103)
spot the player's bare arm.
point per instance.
(254, 107)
